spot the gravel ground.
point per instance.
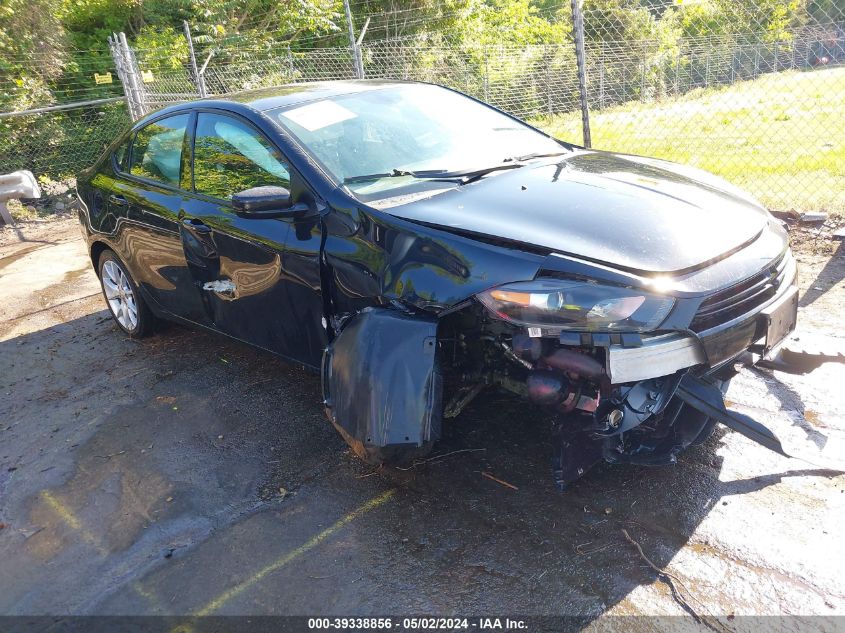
(187, 475)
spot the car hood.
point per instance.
(639, 214)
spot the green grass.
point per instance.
(780, 137)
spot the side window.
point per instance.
(231, 156)
(157, 150)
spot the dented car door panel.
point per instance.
(237, 266)
(249, 283)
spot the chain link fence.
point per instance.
(59, 142)
(529, 81)
(57, 114)
(753, 91)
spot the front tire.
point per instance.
(125, 303)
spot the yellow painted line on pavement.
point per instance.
(71, 520)
(149, 596)
(238, 589)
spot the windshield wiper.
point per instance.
(395, 173)
(460, 176)
(532, 156)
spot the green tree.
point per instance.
(770, 20)
(32, 51)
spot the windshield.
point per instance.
(396, 140)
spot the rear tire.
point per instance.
(127, 306)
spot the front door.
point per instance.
(254, 286)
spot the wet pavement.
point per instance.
(186, 474)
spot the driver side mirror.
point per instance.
(265, 203)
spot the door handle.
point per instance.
(197, 226)
(117, 200)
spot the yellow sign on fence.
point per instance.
(102, 79)
(147, 76)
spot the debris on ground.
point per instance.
(437, 458)
(670, 579)
(813, 218)
(498, 481)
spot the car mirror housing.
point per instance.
(266, 202)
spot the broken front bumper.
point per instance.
(761, 329)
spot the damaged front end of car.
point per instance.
(633, 366)
(615, 394)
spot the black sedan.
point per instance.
(417, 247)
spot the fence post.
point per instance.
(580, 58)
(601, 78)
(133, 75)
(357, 62)
(118, 66)
(486, 77)
(199, 80)
(678, 73)
(642, 75)
(123, 67)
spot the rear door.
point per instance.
(260, 277)
(152, 191)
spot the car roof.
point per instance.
(281, 96)
(262, 99)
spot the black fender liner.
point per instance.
(381, 382)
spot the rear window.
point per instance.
(157, 150)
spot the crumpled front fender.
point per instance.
(381, 383)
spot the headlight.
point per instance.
(577, 305)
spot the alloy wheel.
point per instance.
(120, 296)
